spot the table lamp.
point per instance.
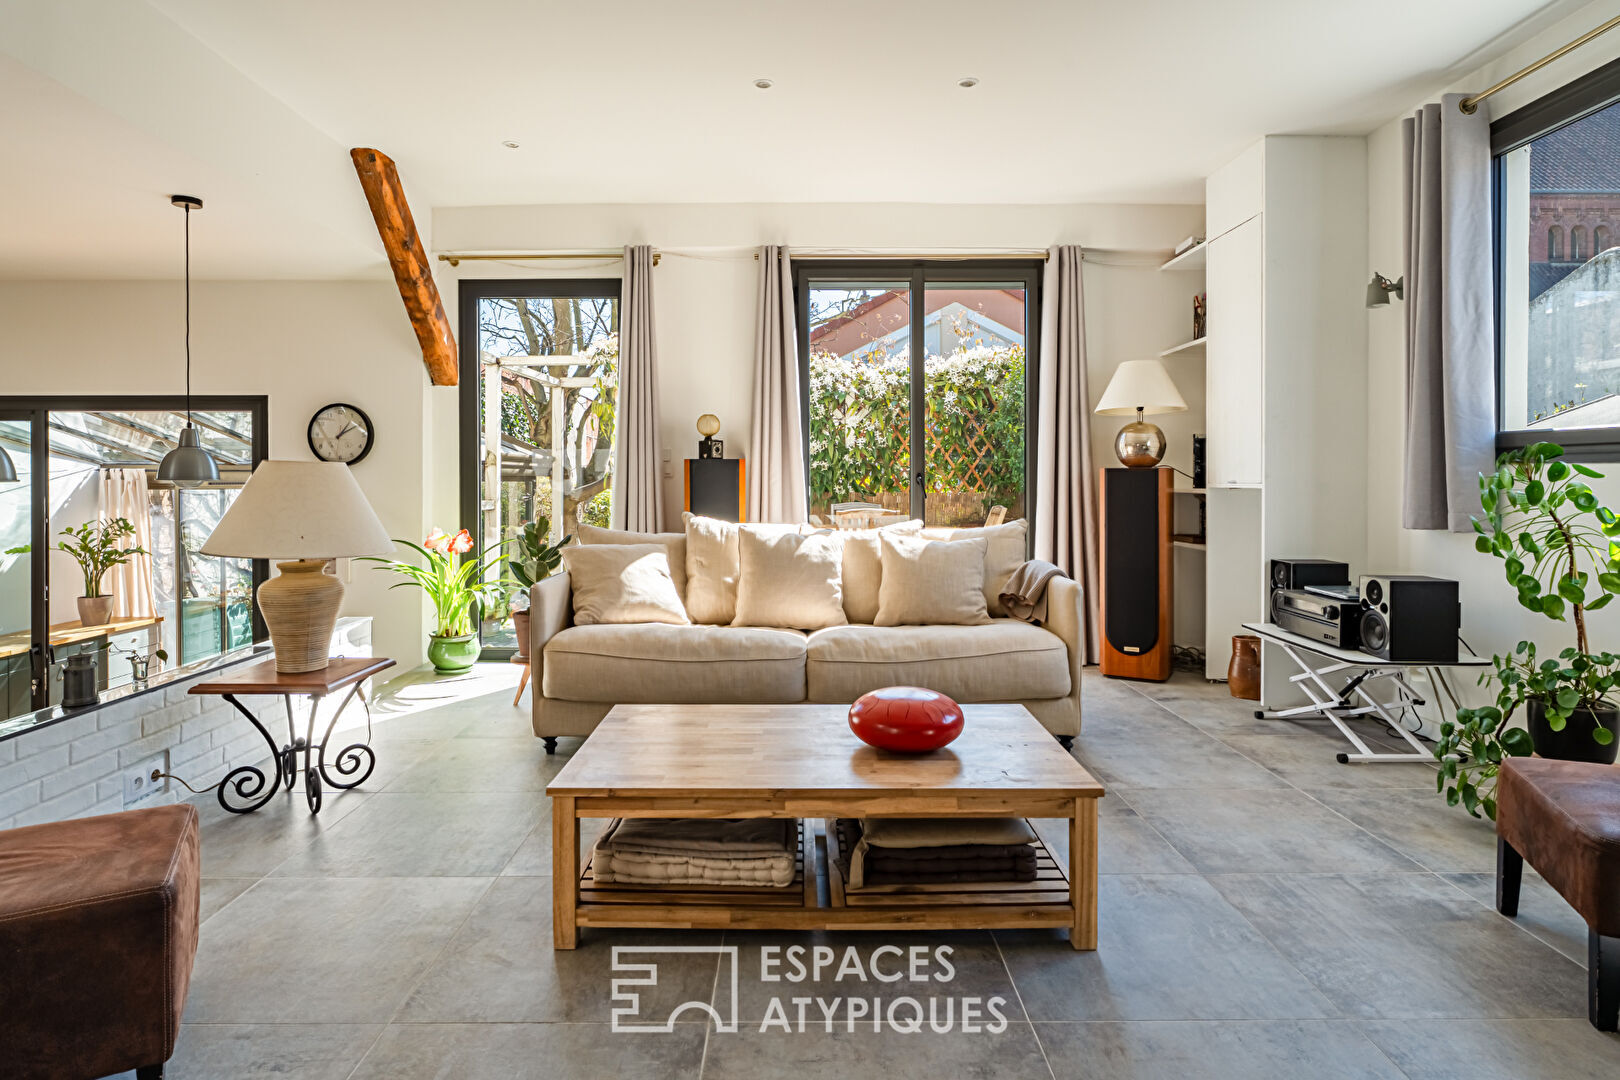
(307, 512)
(1140, 387)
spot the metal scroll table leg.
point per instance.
(248, 782)
(355, 760)
(289, 753)
(312, 776)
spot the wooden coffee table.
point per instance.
(802, 761)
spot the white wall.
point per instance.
(304, 344)
(706, 285)
(1492, 618)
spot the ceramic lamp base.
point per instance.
(300, 609)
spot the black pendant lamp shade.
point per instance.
(188, 465)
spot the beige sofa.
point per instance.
(580, 672)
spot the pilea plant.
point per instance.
(1559, 551)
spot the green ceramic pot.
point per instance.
(453, 655)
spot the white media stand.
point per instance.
(1339, 705)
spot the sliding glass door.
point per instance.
(917, 381)
(539, 379)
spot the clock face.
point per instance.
(340, 433)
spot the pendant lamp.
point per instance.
(188, 465)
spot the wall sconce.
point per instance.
(1380, 287)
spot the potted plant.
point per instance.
(536, 559)
(97, 547)
(1560, 552)
(454, 586)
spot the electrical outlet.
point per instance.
(146, 779)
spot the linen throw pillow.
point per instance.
(1008, 551)
(863, 568)
(674, 543)
(931, 582)
(712, 566)
(623, 583)
(789, 580)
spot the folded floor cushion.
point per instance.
(919, 851)
(659, 851)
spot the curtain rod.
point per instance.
(1157, 255)
(1470, 105)
(456, 258)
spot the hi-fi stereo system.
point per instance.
(1400, 617)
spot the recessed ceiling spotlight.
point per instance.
(763, 84)
(510, 144)
(967, 82)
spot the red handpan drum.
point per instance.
(910, 719)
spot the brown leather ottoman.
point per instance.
(1564, 818)
(98, 928)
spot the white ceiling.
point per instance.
(254, 105)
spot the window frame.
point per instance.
(1566, 105)
(919, 273)
(469, 292)
(36, 409)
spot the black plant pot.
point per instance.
(1575, 742)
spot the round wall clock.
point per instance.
(340, 432)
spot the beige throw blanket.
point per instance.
(1024, 595)
(659, 851)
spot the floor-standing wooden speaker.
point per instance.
(1137, 598)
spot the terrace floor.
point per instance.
(1265, 913)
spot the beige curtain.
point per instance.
(1450, 316)
(124, 495)
(638, 490)
(1065, 476)
(776, 476)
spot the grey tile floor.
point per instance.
(1265, 913)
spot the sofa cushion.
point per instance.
(789, 580)
(931, 582)
(863, 568)
(654, 663)
(674, 543)
(623, 583)
(1002, 660)
(713, 563)
(1007, 550)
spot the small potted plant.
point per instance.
(97, 547)
(454, 586)
(536, 559)
(1560, 550)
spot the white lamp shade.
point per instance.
(1140, 384)
(299, 510)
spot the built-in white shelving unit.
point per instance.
(1191, 259)
(1195, 347)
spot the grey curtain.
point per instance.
(1065, 477)
(776, 476)
(638, 491)
(1450, 317)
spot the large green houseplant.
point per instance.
(535, 559)
(1559, 550)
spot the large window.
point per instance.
(80, 461)
(539, 379)
(918, 387)
(1558, 204)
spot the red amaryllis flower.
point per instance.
(462, 543)
(437, 540)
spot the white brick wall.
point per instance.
(74, 768)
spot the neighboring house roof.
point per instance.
(1583, 157)
(887, 316)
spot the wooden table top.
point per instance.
(263, 678)
(765, 750)
(66, 633)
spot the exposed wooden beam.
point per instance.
(380, 181)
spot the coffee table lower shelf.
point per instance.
(1044, 902)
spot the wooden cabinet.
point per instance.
(1235, 355)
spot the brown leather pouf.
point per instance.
(98, 930)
